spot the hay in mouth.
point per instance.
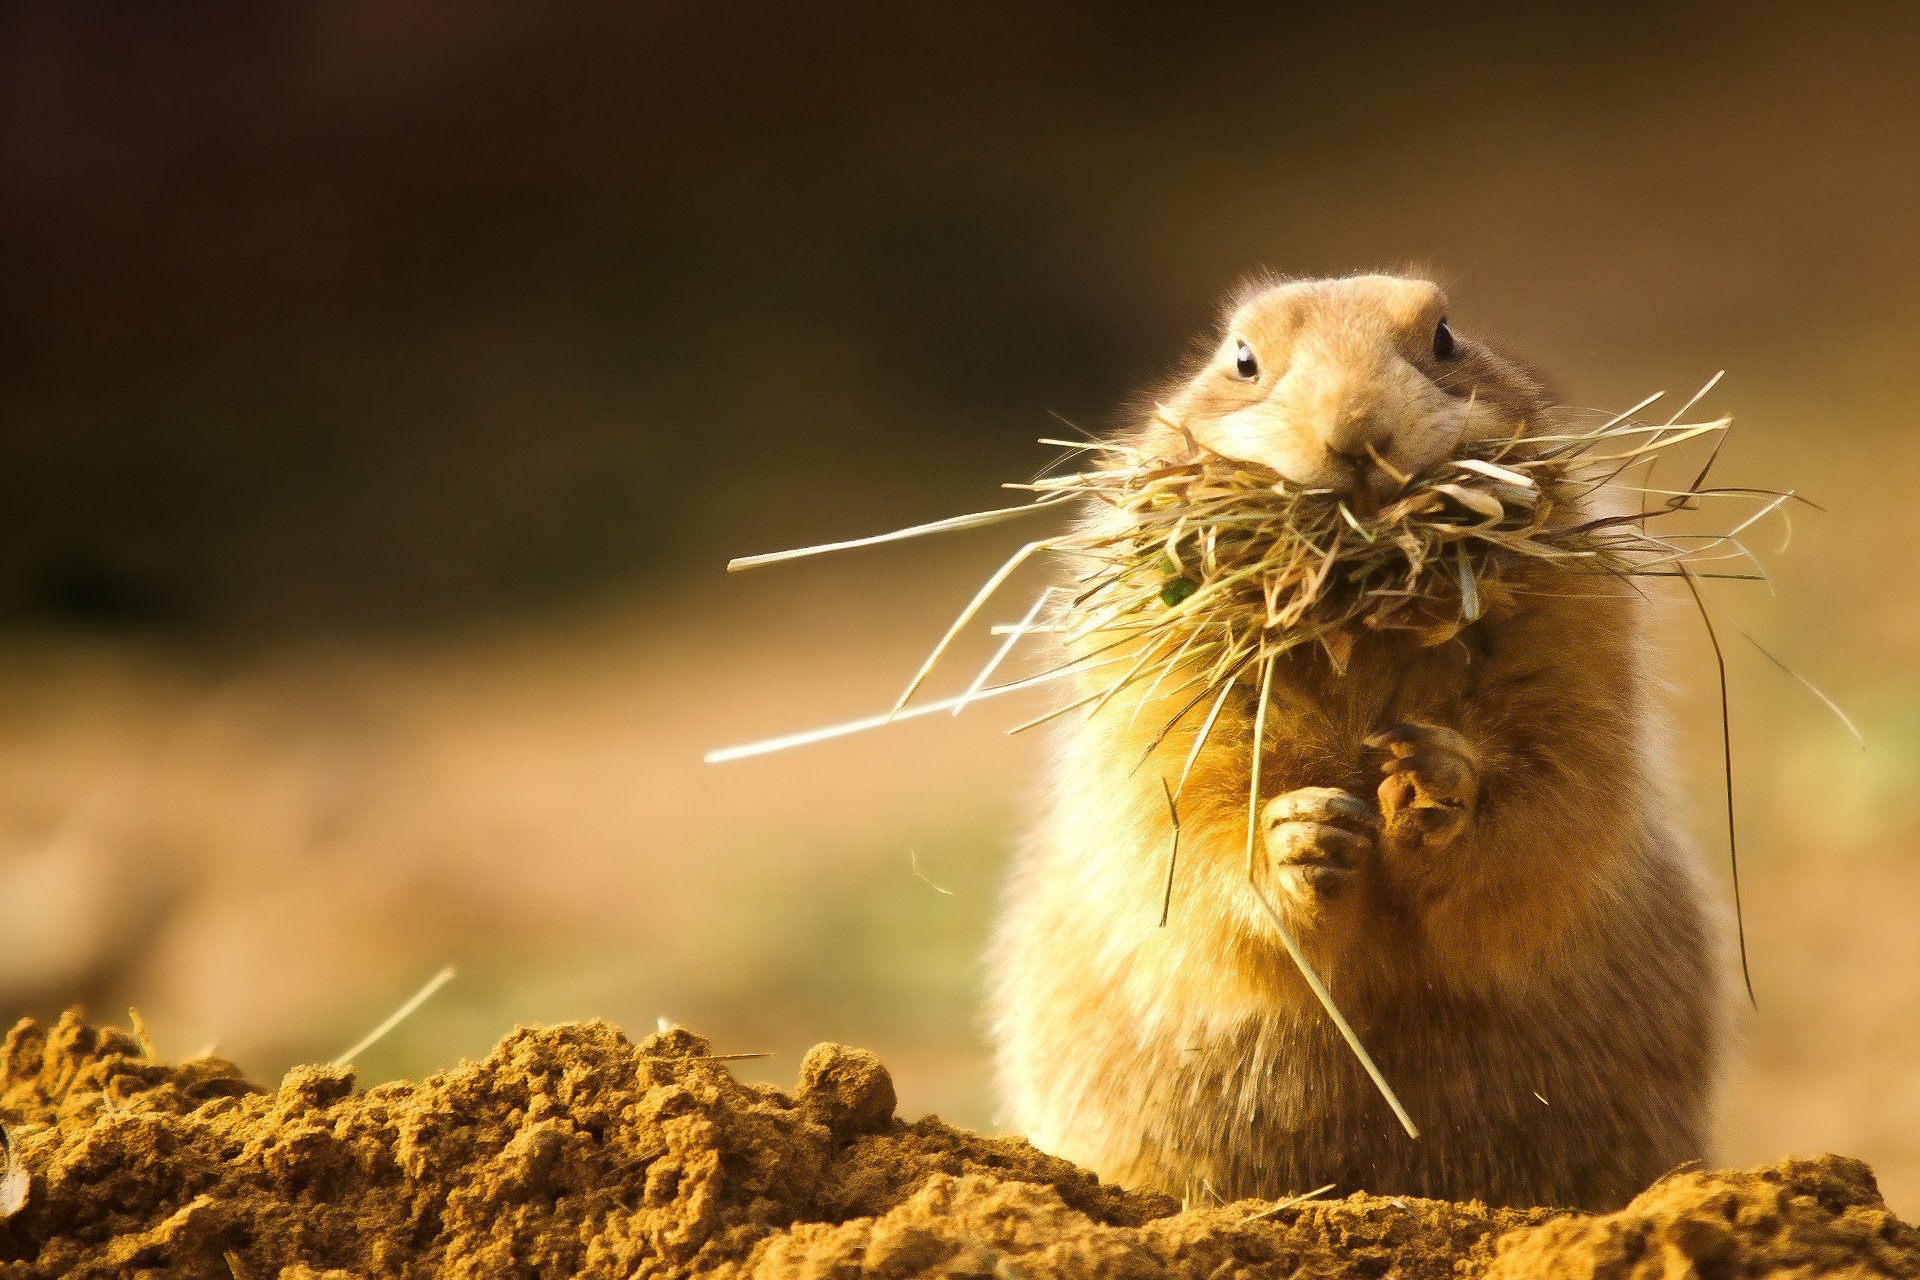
(1210, 566)
(1225, 556)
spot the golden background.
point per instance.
(383, 391)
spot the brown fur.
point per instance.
(1495, 893)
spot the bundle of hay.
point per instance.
(1219, 557)
(1213, 566)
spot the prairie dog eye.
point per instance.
(1443, 341)
(1244, 365)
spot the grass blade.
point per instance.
(1726, 763)
(1815, 690)
(952, 523)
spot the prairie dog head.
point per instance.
(1350, 385)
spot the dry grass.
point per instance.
(1204, 567)
(1232, 564)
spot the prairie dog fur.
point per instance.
(1472, 843)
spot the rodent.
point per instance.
(1473, 843)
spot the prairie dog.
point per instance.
(1471, 841)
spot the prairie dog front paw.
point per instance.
(1431, 787)
(1318, 838)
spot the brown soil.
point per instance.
(571, 1151)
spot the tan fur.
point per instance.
(1508, 918)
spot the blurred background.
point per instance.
(383, 389)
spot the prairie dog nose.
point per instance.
(1356, 436)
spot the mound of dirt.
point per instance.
(570, 1151)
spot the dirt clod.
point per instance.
(1801, 1218)
(846, 1089)
(571, 1151)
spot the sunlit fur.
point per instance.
(1536, 986)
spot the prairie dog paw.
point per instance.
(1431, 786)
(1318, 837)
